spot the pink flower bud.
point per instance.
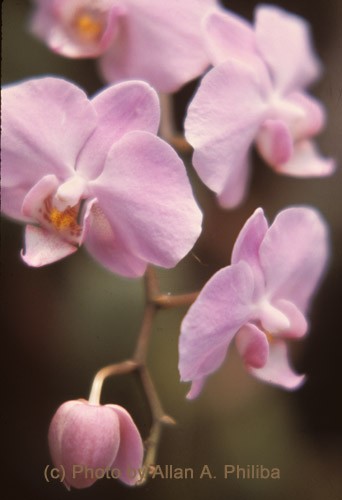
(89, 441)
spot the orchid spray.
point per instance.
(108, 172)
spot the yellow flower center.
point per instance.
(88, 26)
(269, 336)
(65, 220)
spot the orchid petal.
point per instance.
(275, 142)
(313, 119)
(210, 362)
(234, 190)
(277, 369)
(229, 36)
(120, 109)
(222, 307)
(106, 245)
(159, 42)
(293, 255)
(47, 123)
(307, 162)
(147, 199)
(252, 345)
(196, 388)
(247, 246)
(34, 199)
(220, 125)
(131, 451)
(43, 247)
(283, 40)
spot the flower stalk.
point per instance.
(154, 301)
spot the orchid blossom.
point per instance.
(261, 300)
(159, 42)
(256, 94)
(93, 172)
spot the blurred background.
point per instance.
(61, 323)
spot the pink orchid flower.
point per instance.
(86, 438)
(255, 94)
(261, 299)
(93, 171)
(160, 42)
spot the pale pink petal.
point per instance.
(306, 161)
(247, 246)
(283, 40)
(275, 142)
(237, 184)
(131, 450)
(196, 388)
(106, 245)
(210, 362)
(32, 208)
(120, 109)
(221, 126)
(228, 36)
(34, 198)
(313, 119)
(43, 247)
(43, 22)
(160, 42)
(12, 200)
(45, 124)
(298, 323)
(252, 345)
(277, 369)
(223, 306)
(56, 24)
(147, 199)
(293, 255)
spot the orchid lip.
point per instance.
(64, 222)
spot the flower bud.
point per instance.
(85, 438)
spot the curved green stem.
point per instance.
(154, 301)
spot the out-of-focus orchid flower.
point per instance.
(84, 438)
(94, 172)
(160, 42)
(255, 94)
(261, 299)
